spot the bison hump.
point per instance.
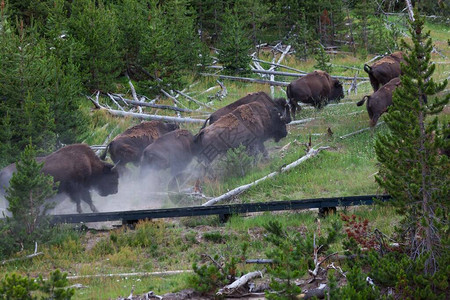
(246, 113)
(229, 120)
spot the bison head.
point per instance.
(107, 182)
(279, 130)
(337, 91)
(283, 107)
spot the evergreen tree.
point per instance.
(101, 63)
(171, 48)
(411, 167)
(28, 190)
(322, 60)
(234, 44)
(25, 78)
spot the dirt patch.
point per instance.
(93, 238)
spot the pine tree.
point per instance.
(28, 190)
(411, 167)
(101, 63)
(234, 44)
(322, 60)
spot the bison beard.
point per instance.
(127, 147)
(249, 125)
(259, 97)
(172, 150)
(77, 169)
(316, 88)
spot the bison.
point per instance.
(385, 69)
(78, 170)
(249, 124)
(173, 150)
(316, 88)
(261, 97)
(379, 101)
(128, 146)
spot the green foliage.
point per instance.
(214, 274)
(234, 44)
(28, 190)
(292, 257)
(170, 47)
(101, 63)
(357, 287)
(17, 287)
(322, 60)
(236, 163)
(411, 167)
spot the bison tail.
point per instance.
(363, 100)
(368, 69)
(103, 155)
(206, 121)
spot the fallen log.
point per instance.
(246, 79)
(153, 117)
(279, 65)
(24, 257)
(192, 99)
(229, 289)
(158, 106)
(359, 131)
(311, 153)
(131, 274)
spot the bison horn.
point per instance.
(115, 165)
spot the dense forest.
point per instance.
(52, 53)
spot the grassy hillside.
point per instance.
(346, 168)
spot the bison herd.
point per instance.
(249, 121)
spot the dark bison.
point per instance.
(385, 69)
(379, 101)
(249, 124)
(261, 97)
(128, 146)
(173, 150)
(316, 88)
(78, 170)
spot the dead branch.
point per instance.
(246, 79)
(192, 99)
(131, 274)
(318, 293)
(311, 153)
(303, 121)
(158, 106)
(229, 289)
(223, 90)
(259, 261)
(112, 98)
(24, 257)
(279, 65)
(409, 7)
(153, 117)
(359, 131)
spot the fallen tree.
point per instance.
(311, 153)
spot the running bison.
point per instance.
(379, 101)
(173, 150)
(261, 97)
(127, 147)
(78, 170)
(316, 88)
(385, 69)
(249, 125)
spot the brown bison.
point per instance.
(249, 125)
(260, 97)
(316, 88)
(385, 69)
(128, 146)
(78, 170)
(173, 150)
(379, 101)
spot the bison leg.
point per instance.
(86, 197)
